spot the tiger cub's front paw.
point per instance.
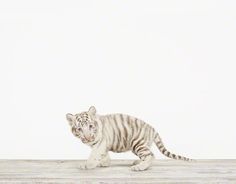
(82, 166)
(136, 162)
(85, 166)
(104, 164)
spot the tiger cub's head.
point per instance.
(84, 125)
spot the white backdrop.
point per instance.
(171, 63)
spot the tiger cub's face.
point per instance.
(83, 125)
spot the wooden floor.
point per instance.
(163, 171)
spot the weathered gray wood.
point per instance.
(163, 171)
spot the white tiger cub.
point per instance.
(117, 133)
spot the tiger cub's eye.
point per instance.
(79, 129)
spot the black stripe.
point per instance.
(125, 130)
(134, 147)
(161, 147)
(121, 137)
(136, 123)
(132, 129)
(141, 148)
(113, 137)
(125, 143)
(163, 150)
(117, 127)
(122, 118)
(168, 153)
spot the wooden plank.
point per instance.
(162, 171)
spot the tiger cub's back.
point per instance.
(123, 132)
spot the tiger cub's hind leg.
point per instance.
(146, 158)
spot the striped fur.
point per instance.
(117, 133)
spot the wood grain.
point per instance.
(162, 171)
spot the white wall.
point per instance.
(171, 63)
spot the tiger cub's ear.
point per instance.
(92, 110)
(70, 118)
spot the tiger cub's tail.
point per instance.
(165, 152)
